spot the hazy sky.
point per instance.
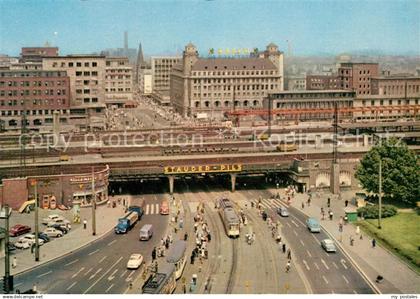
(312, 27)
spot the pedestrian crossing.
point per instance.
(151, 209)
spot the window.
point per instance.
(94, 64)
(71, 64)
(86, 64)
(78, 64)
(78, 74)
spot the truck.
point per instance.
(126, 223)
(138, 209)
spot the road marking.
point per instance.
(345, 279)
(94, 274)
(129, 276)
(306, 265)
(123, 273)
(313, 236)
(294, 223)
(343, 262)
(88, 271)
(102, 259)
(152, 209)
(46, 273)
(316, 266)
(77, 273)
(323, 277)
(72, 262)
(325, 264)
(295, 232)
(112, 242)
(112, 276)
(288, 224)
(147, 210)
(110, 287)
(103, 275)
(308, 252)
(301, 242)
(157, 208)
(93, 252)
(297, 219)
(72, 285)
(335, 265)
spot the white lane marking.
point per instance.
(112, 242)
(316, 266)
(152, 209)
(72, 285)
(313, 236)
(288, 224)
(112, 276)
(147, 210)
(309, 253)
(72, 262)
(157, 208)
(103, 275)
(323, 277)
(102, 259)
(93, 252)
(129, 276)
(343, 262)
(335, 265)
(306, 265)
(297, 219)
(295, 223)
(345, 279)
(301, 242)
(88, 271)
(123, 273)
(295, 232)
(46, 273)
(78, 272)
(94, 274)
(325, 264)
(110, 287)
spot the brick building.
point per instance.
(39, 93)
(357, 76)
(323, 82)
(118, 81)
(213, 85)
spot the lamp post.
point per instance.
(35, 184)
(93, 204)
(6, 277)
(380, 194)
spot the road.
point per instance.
(99, 268)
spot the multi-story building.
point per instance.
(396, 86)
(35, 54)
(214, 85)
(34, 96)
(87, 87)
(357, 76)
(161, 74)
(322, 82)
(145, 81)
(295, 83)
(6, 61)
(118, 81)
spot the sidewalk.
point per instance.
(398, 278)
(78, 237)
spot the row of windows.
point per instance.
(234, 80)
(228, 94)
(117, 89)
(128, 77)
(86, 91)
(240, 87)
(208, 104)
(234, 73)
(28, 83)
(33, 74)
(389, 102)
(86, 82)
(31, 112)
(115, 63)
(400, 89)
(86, 73)
(313, 95)
(35, 102)
(87, 100)
(118, 70)
(326, 104)
(77, 64)
(26, 92)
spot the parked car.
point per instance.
(41, 236)
(31, 239)
(12, 247)
(19, 229)
(135, 261)
(60, 227)
(60, 221)
(282, 211)
(328, 245)
(53, 232)
(22, 244)
(50, 218)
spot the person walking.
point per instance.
(154, 254)
(373, 243)
(303, 205)
(329, 202)
(346, 203)
(289, 254)
(284, 247)
(14, 262)
(84, 223)
(288, 265)
(309, 201)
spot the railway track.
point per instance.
(232, 273)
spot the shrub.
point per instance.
(372, 212)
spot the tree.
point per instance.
(400, 171)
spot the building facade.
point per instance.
(396, 86)
(118, 81)
(212, 86)
(295, 83)
(357, 76)
(35, 54)
(161, 74)
(33, 96)
(322, 82)
(87, 87)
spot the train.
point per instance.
(229, 218)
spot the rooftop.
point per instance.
(233, 64)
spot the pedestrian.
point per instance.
(340, 227)
(208, 236)
(289, 254)
(373, 243)
(331, 214)
(181, 223)
(84, 223)
(303, 205)
(351, 241)
(14, 262)
(185, 236)
(154, 254)
(184, 287)
(346, 203)
(284, 247)
(309, 201)
(357, 230)
(323, 215)
(288, 266)
(329, 202)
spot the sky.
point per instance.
(312, 27)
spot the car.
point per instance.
(135, 261)
(282, 211)
(164, 208)
(19, 229)
(313, 225)
(328, 245)
(50, 218)
(53, 232)
(30, 238)
(60, 227)
(60, 221)
(22, 244)
(41, 236)
(12, 247)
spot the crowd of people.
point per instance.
(202, 235)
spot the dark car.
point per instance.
(44, 237)
(11, 247)
(19, 229)
(60, 228)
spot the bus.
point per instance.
(177, 257)
(229, 217)
(162, 282)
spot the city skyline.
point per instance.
(166, 26)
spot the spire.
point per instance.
(140, 57)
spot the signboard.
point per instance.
(202, 168)
(232, 52)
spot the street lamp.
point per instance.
(35, 185)
(380, 188)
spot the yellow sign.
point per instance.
(202, 168)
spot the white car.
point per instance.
(135, 261)
(21, 244)
(61, 222)
(328, 245)
(53, 232)
(50, 218)
(31, 239)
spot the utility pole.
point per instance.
(6, 277)
(380, 193)
(270, 104)
(93, 203)
(36, 221)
